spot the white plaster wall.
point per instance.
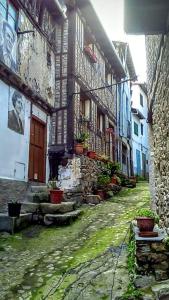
(14, 147)
(143, 109)
(69, 176)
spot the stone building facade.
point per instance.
(158, 80)
(28, 39)
(151, 18)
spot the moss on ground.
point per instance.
(95, 231)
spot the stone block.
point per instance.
(64, 207)
(93, 199)
(41, 197)
(144, 281)
(39, 189)
(29, 207)
(61, 218)
(161, 275)
(158, 247)
(12, 225)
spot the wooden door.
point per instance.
(37, 151)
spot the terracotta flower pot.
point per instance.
(114, 180)
(101, 193)
(145, 223)
(56, 196)
(85, 151)
(79, 149)
(91, 154)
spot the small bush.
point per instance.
(143, 212)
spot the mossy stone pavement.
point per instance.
(85, 260)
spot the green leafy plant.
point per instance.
(115, 167)
(52, 184)
(103, 180)
(143, 212)
(132, 292)
(166, 242)
(81, 137)
(140, 178)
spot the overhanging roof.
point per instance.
(57, 7)
(97, 29)
(129, 61)
(138, 113)
(146, 16)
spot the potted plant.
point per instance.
(85, 148)
(14, 209)
(146, 219)
(102, 183)
(56, 195)
(80, 139)
(91, 154)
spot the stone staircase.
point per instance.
(38, 203)
(36, 208)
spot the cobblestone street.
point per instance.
(86, 260)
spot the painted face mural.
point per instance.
(16, 112)
(8, 45)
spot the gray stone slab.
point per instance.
(59, 219)
(39, 188)
(28, 207)
(9, 224)
(64, 207)
(159, 238)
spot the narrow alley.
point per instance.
(86, 260)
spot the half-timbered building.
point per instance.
(87, 70)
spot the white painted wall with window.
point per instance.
(140, 129)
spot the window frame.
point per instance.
(15, 7)
(142, 129)
(99, 116)
(141, 100)
(136, 131)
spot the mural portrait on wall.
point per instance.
(16, 111)
(8, 41)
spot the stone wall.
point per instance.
(11, 190)
(79, 177)
(159, 95)
(151, 254)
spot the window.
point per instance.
(142, 129)
(127, 108)
(124, 154)
(141, 99)
(135, 128)
(9, 12)
(85, 106)
(100, 121)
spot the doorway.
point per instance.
(37, 150)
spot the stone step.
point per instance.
(28, 207)
(12, 225)
(64, 207)
(47, 208)
(66, 218)
(38, 188)
(37, 197)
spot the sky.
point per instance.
(111, 14)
